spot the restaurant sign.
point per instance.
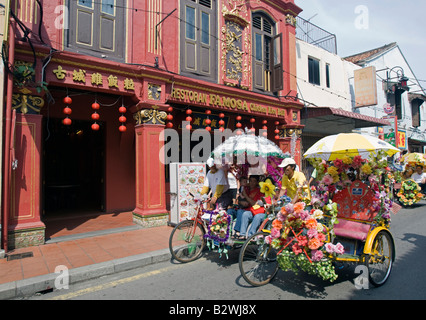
(225, 102)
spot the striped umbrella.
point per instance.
(350, 144)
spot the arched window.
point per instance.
(267, 55)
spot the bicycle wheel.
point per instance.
(379, 263)
(258, 260)
(186, 243)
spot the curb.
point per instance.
(31, 286)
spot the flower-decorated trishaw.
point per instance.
(348, 219)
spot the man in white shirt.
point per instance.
(217, 181)
(420, 177)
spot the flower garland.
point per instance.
(302, 241)
(218, 231)
(409, 193)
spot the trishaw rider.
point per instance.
(294, 182)
(217, 181)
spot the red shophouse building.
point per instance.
(77, 63)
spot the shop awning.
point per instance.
(330, 120)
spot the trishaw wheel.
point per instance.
(379, 262)
(258, 260)
(186, 243)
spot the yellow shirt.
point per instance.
(291, 185)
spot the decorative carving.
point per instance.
(154, 91)
(290, 19)
(27, 104)
(150, 116)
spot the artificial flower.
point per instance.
(277, 224)
(366, 169)
(314, 244)
(311, 223)
(267, 188)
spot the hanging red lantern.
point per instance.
(265, 121)
(238, 125)
(277, 137)
(122, 119)
(209, 129)
(277, 131)
(265, 128)
(188, 118)
(67, 100)
(221, 122)
(252, 129)
(221, 115)
(122, 109)
(170, 109)
(238, 118)
(188, 127)
(208, 121)
(122, 128)
(265, 134)
(239, 132)
(67, 110)
(208, 112)
(277, 123)
(169, 117)
(169, 125)
(252, 120)
(67, 121)
(188, 111)
(95, 127)
(95, 116)
(95, 106)
(221, 129)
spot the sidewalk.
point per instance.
(87, 254)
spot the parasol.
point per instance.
(350, 144)
(414, 158)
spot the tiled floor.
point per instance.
(85, 251)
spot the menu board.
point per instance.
(185, 179)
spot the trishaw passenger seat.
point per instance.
(354, 202)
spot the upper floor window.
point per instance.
(415, 112)
(314, 71)
(198, 34)
(97, 28)
(267, 55)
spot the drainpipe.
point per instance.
(7, 139)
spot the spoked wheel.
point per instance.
(187, 241)
(379, 262)
(258, 260)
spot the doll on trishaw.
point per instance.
(346, 219)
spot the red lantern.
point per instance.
(67, 100)
(67, 110)
(122, 109)
(169, 125)
(221, 122)
(95, 116)
(238, 118)
(265, 128)
(277, 123)
(188, 118)
(238, 125)
(208, 121)
(95, 127)
(95, 106)
(208, 112)
(265, 134)
(122, 119)
(277, 137)
(277, 131)
(67, 121)
(265, 121)
(221, 115)
(252, 120)
(188, 111)
(208, 129)
(239, 132)
(170, 109)
(188, 127)
(122, 128)
(169, 117)
(221, 129)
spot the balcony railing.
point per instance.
(310, 33)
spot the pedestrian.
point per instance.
(420, 177)
(217, 182)
(294, 183)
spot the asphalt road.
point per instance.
(219, 279)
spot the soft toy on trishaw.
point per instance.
(347, 220)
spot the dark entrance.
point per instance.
(74, 167)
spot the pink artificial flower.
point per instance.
(339, 249)
(268, 239)
(327, 179)
(312, 233)
(329, 247)
(275, 233)
(317, 255)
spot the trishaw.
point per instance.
(346, 221)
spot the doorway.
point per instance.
(73, 168)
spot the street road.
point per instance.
(214, 278)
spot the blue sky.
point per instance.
(363, 25)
